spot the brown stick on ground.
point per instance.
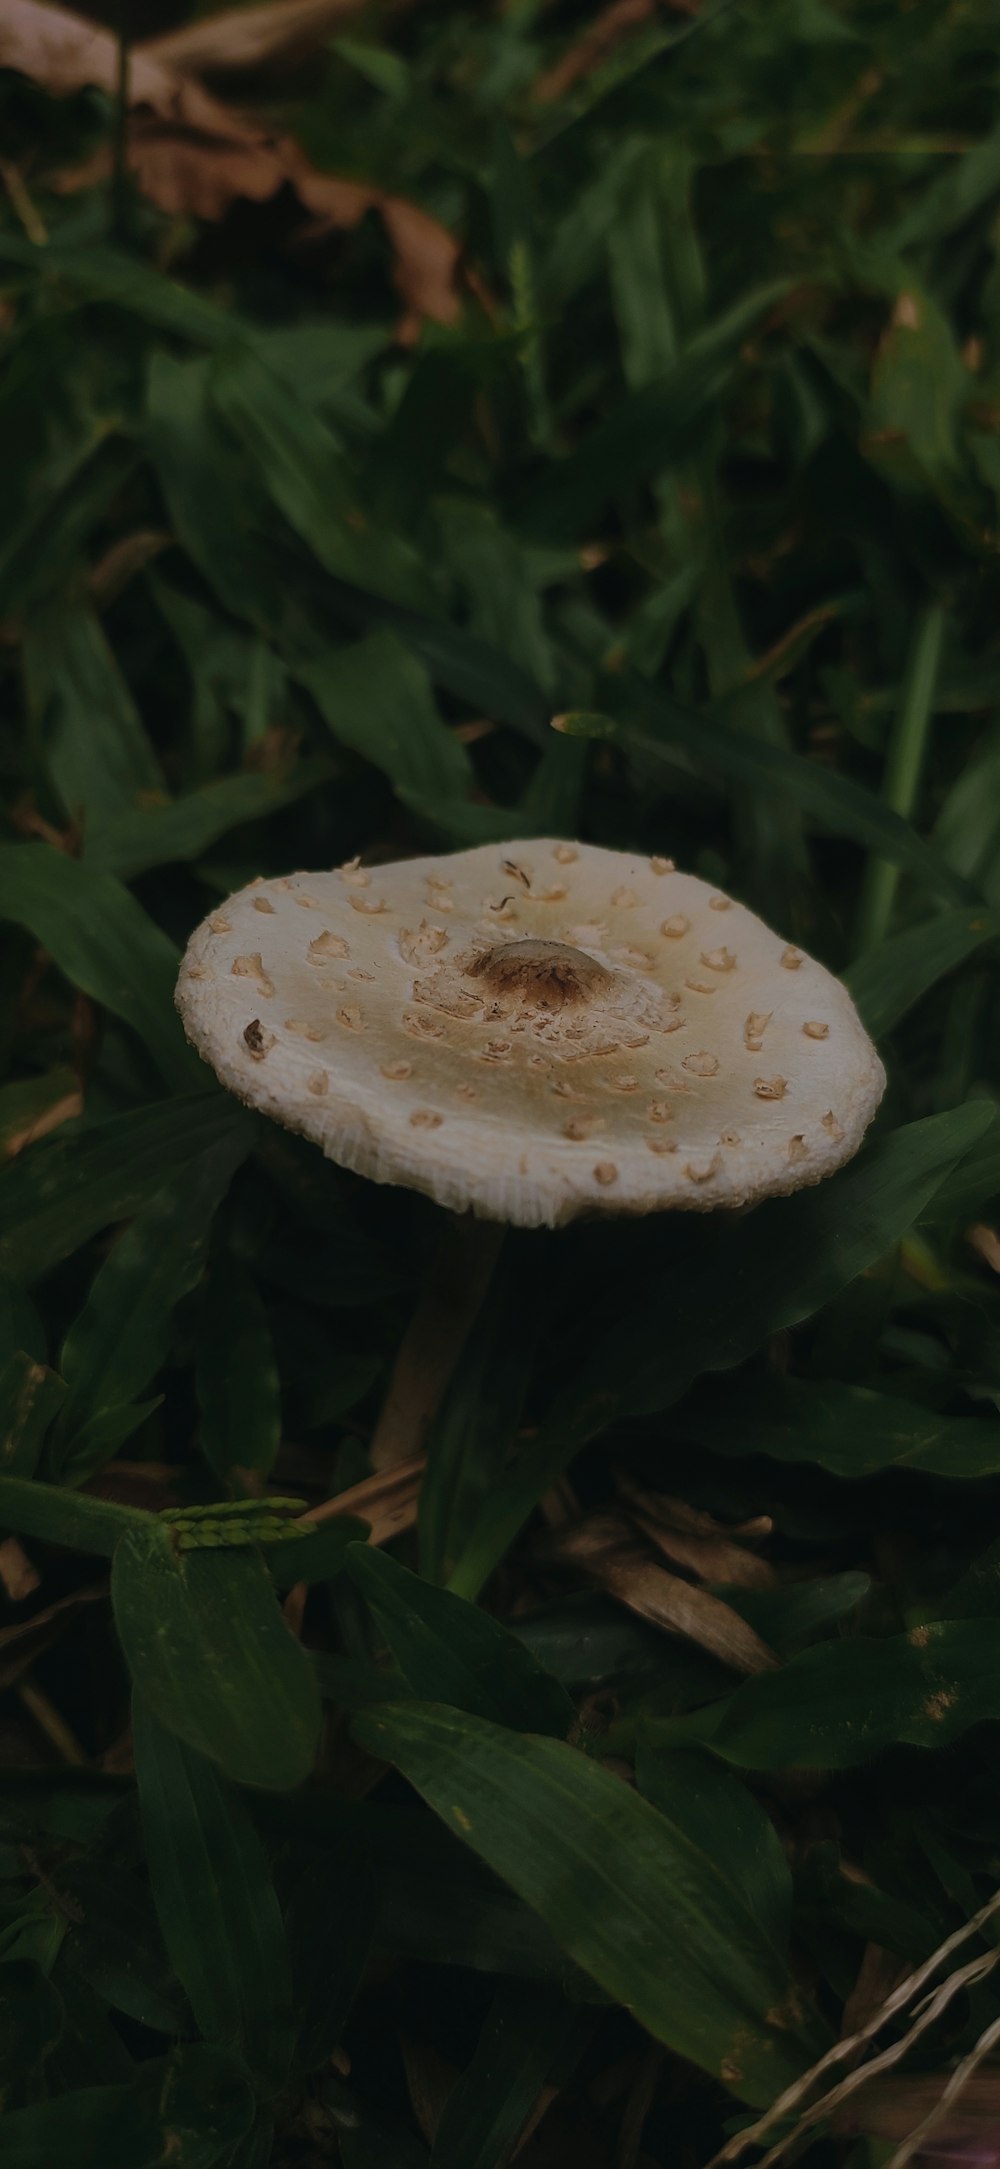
(449, 1304)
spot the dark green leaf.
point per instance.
(66, 1517)
(850, 1430)
(449, 1652)
(728, 1287)
(330, 1923)
(67, 1188)
(106, 945)
(211, 1657)
(187, 2113)
(377, 698)
(95, 750)
(654, 726)
(121, 1336)
(526, 2035)
(237, 1378)
(843, 1702)
(300, 466)
(160, 834)
(888, 981)
(217, 1906)
(649, 430)
(31, 2021)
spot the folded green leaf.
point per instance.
(211, 1657)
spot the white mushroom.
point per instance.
(532, 1048)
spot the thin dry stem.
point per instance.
(851, 2046)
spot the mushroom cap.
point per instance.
(533, 1031)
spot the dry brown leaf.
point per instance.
(18, 1577)
(194, 156)
(606, 1548)
(64, 1110)
(249, 37)
(985, 1242)
(890, 2108)
(692, 1539)
(387, 1501)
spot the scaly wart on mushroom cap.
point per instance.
(533, 1032)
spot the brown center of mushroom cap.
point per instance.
(548, 974)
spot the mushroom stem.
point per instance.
(459, 1274)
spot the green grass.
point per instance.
(706, 466)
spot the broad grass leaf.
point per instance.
(30, 1399)
(133, 842)
(376, 698)
(239, 1391)
(212, 1659)
(447, 1651)
(122, 1335)
(527, 2040)
(849, 1430)
(301, 467)
(66, 1188)
(187, 2112)
(842, 1702)
(106, 946)
(95, 750)
(892, 978)
(617, 1884)
(216, 1902)
(653, 724)
(724, 1289)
